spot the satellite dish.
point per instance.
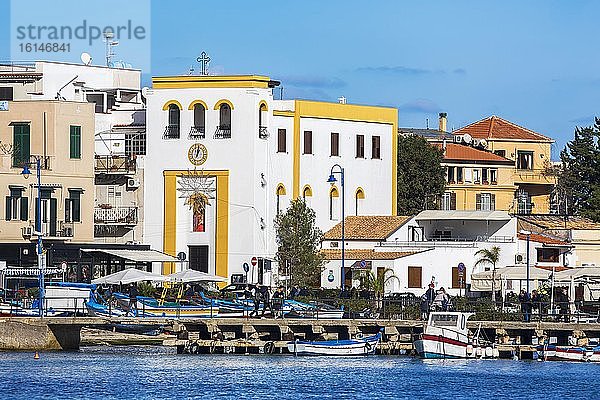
(86, 58)
(467, 138)
(483, 143)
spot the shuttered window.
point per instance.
(485, 202)
(375, 147)
(360, 146)
(21, 139)
(308, 142)
(281, 137)
(415, 277)
(335, 144)
(75, 141)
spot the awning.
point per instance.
(429, 215)
(482, 281)
(147, 255)
(579, 274)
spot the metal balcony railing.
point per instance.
(171, 132)
(197, 132)
(263, 133)
(223, 132)
(122, 164)
(116, 215)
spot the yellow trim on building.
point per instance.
(222, 227)
(223, 101)
(333, 192)
(343, 112)
(193, 103)
(307, 191)
(359, 193)
(198, 81)
(283, 113)
(168, 103)
(280, 191)
(261, 104)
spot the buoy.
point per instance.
(36, 356)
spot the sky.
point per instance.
(534, 63)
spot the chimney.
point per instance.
(443, 121)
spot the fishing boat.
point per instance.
(352, 347)
(446, 336)
(297, 309)
(151, 307)
(553, 352)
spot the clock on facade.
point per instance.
(197, 154)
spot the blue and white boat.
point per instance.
(352, 347)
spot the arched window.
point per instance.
(262, 121)
(280, 192)
(198, 129)
(172, 129)
(334, 196)
(224, 128)
(359, 197)
(307, 194)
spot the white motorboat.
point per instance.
(446, 336)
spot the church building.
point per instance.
(224, 158)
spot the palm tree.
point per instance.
(490, 256)
(378, 282)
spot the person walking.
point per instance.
(266, 299)
(133, 293)
(525, 300)
(278, 298)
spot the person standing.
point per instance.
(266, 298)
(278, 298)
(525, 300)
(133, 293)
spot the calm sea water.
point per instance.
(156, 373)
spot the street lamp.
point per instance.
(333, 180)
(38, 227)
(527, 234)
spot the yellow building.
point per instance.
(60, 134)
(530, 153)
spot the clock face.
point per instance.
(197, 154)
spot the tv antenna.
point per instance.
(110, 43)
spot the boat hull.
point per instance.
(355, 347)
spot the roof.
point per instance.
(213, 81)
(560, 222)
(497, 128)
(461, 152)
(462, 215)
(538, 238)
(427, 133)
(367, 227)
(365, 254)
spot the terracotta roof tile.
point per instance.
(497, 128)
(367, 227)
(536, 237)
(365, 254)
(560, 222)
(460, 152)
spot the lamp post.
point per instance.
(527, 234)
(332, 180)
(38, 227)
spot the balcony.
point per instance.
(533, 176)
(196, 132)
(124, 165)
(171, 132)
(116, 215)
(223, 132)
(32, 161)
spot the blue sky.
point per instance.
(534, 63)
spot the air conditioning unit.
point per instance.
(334, 244)
(520, 258)
(27, 231)
(133, 183)
(458, 138)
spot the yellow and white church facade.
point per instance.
(224, 157)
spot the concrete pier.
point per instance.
(247, 335)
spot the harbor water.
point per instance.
(146, 372)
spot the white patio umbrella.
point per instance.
(129, 275)
(191, 275)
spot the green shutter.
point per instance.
(75, 141)
(21, 151)
(24, 209)
(8, 208)
(477, 202)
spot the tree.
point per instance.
(378, 282)
(421, 177)
(298, 241)
(579, 173)
(490, 256)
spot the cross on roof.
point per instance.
(204, 59)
